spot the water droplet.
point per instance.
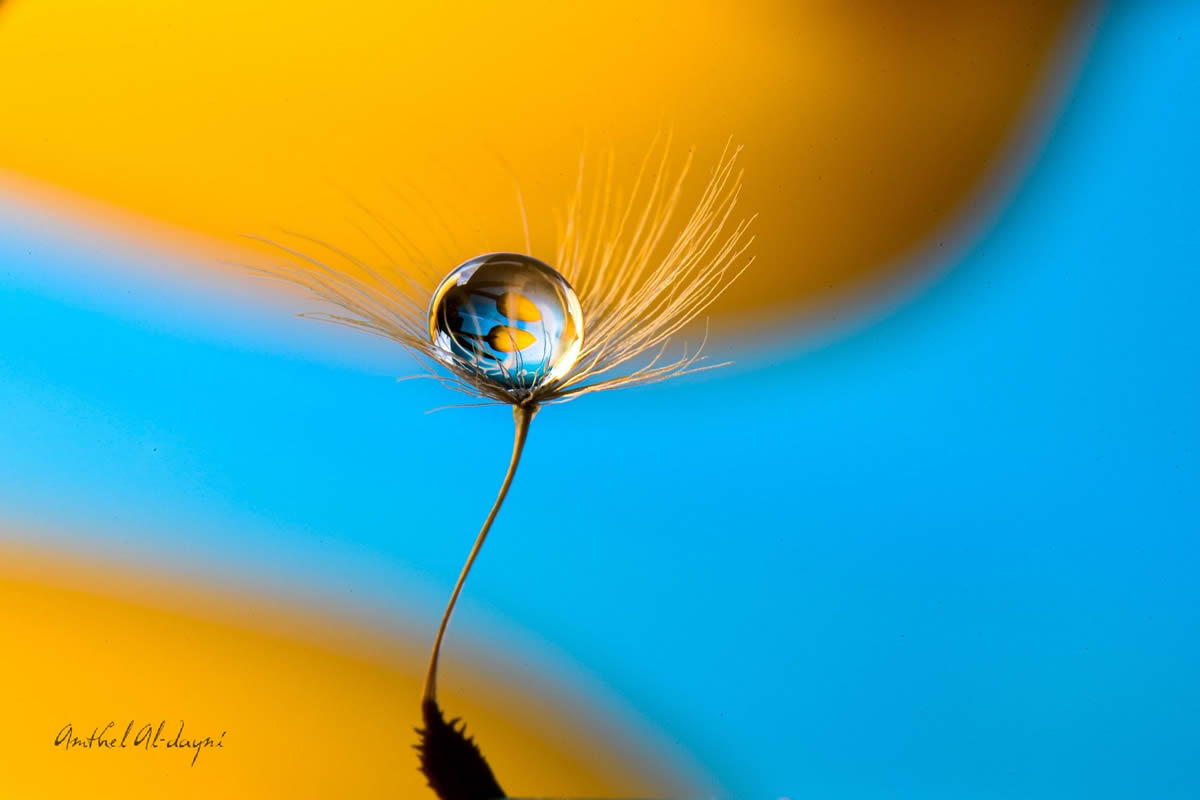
(509, 318)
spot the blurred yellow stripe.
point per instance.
(866, 124)
(308, 709)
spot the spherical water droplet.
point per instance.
(509, 318)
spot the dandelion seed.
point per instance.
(509, 328)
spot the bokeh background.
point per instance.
(933, 534)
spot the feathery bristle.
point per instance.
(638, 287)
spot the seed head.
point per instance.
(630, 272)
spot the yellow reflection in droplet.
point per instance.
(515, 305)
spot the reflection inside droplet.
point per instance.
(509, 318)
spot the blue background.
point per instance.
(951, 553)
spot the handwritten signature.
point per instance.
(148, 737)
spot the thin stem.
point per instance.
(522, 416)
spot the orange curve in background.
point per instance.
(306, 708)
(867, 126)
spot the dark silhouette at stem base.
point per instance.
(451, 761)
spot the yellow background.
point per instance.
(866, 125)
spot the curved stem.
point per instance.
(522, 416)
